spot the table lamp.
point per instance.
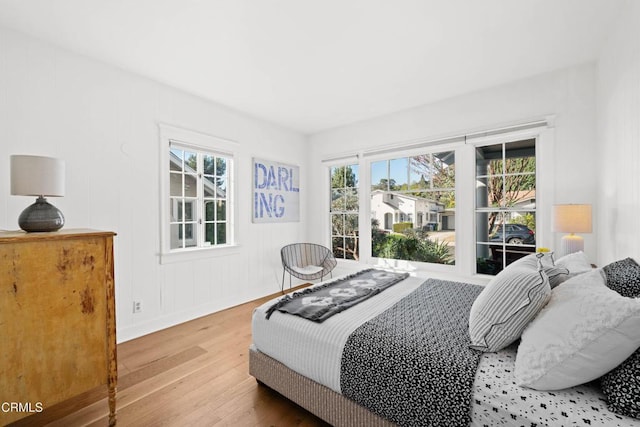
(38, 176)
(572, 219)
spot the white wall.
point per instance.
(569, 94)
(618, 166)
(104, 123)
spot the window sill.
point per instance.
(193, 254)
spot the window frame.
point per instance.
(504, 210)
(544, 135)
(344, 213)
(203, 144)
(541, 129)
(399, 152)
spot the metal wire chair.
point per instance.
(306, 261)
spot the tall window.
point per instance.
(344, 212)
(505, 204)
(198, 192)
(413, 208)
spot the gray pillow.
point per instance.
(624, 277)
(507, 305)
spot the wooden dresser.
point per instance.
(57, 319)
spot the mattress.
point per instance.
(314, 350)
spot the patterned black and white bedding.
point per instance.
(498, 401)
(413, 365)
(315, 351)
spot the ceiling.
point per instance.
(312, 65)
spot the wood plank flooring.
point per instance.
(193, 374)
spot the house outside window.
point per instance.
(197, 189)
(344, 212)
(505, 204)
(408, 188)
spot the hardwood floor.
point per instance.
(194, 374)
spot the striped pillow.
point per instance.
(555, 272)
(507, 305)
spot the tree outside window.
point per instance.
(344, 212)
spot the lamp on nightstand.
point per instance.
(38, 176)
(572, 219)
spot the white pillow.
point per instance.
(506, 305)
(576, 263)
(584, 331)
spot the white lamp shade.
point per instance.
(572, 218)
(37, 176)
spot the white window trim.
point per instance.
(207, 143)
(347, 160)
(541, 129)
(413, 148)
(544, 135)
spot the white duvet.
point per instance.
(315, 349)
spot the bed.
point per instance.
(305, 361)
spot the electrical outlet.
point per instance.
(137, 306)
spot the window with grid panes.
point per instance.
(199, 203)
(344, 212)
(505, 204)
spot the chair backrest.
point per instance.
(305, 254)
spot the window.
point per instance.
(344, 210)
(197, 192)
(505, 204)
(198, 198)
(467, 204)
(420, 188)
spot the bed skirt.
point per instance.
(321, 401)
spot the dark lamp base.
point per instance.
(41, 216)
